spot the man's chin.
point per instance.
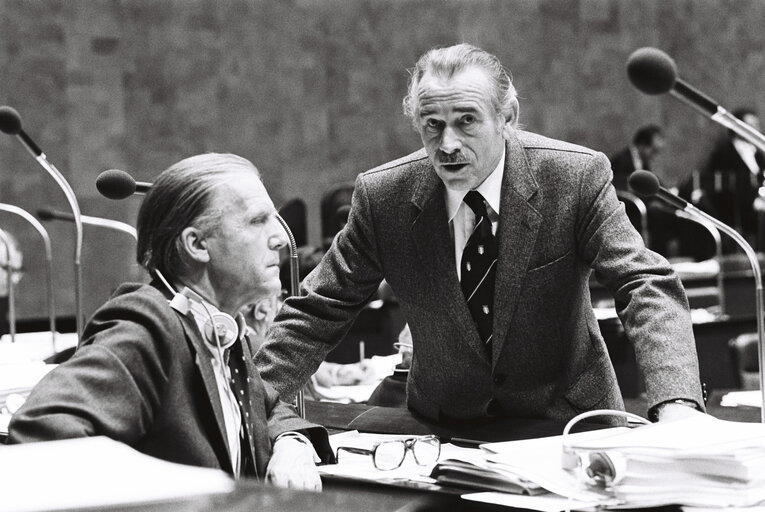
(453, 182)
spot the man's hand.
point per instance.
(675, 411)
(292, 466)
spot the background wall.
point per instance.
(311, 90)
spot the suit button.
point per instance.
(500, 378)
(493, 409)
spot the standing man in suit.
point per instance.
(730, 181)
(520, 338)
(166, 367)
(647, 144)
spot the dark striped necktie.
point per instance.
(479, 267)
(240, 385)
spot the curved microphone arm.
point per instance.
(294, 291)
(111, 224)
(742, 129)
(72, 199)
(754, 262)
(48, 262)
(712, 229)
(9, 276)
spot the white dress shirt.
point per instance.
(461, 216)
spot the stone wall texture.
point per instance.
(310, 91)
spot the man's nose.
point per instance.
(278, 238)
(450, 141)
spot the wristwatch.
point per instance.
(653, 412)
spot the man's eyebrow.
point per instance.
(459, 108)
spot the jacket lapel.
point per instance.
(204, 365)
(435, 249)
(517, 231)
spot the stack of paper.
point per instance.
(698, 461)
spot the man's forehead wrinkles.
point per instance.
(457, 102)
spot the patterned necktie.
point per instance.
(479, 267)
(240, 385)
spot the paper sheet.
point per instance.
(95, 472)
(545, 503)
(742, 398)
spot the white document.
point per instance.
(361, 467)
(742, 398)
(95, 472)
(544, 503)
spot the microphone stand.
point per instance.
(8, 275)
(294, 291)
(754, 262)
(38, 155)
(48, 263)
(92, 221)
(710, 227)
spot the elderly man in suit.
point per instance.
(165, 367)
(487, 237)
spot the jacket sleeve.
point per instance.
(650, 299)
(112, 384)
(282, 418)
(309, 326)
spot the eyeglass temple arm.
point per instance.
(350, 449)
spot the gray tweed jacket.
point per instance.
(559, 220)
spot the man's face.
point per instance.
(244, 249)
(648, 153)
(460, 129)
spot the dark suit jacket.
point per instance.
(143, 376)
(622, 166)
(730, 188)
(560, 218)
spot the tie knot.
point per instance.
(476, 203)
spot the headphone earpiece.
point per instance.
(225, 326)
(227, 329)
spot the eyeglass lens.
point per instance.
(390, 454)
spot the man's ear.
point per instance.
(511, 119)
(195, 244)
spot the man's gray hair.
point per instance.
(180, 197)
(445, 62)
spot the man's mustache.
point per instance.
(451, 158)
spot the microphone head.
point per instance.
(115, 184)
(44, 214)
(10, 120)
(644, 183)
(651, 70)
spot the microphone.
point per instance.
(647, 184)
(48, 262)
(6, 242)
(46, 214)
(294, 291)
(116, 184)
(10, 123)
(654, 72)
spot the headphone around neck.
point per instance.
(220, 329)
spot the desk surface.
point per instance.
(370, 497)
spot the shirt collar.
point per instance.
(637, 162)
(490, 189)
